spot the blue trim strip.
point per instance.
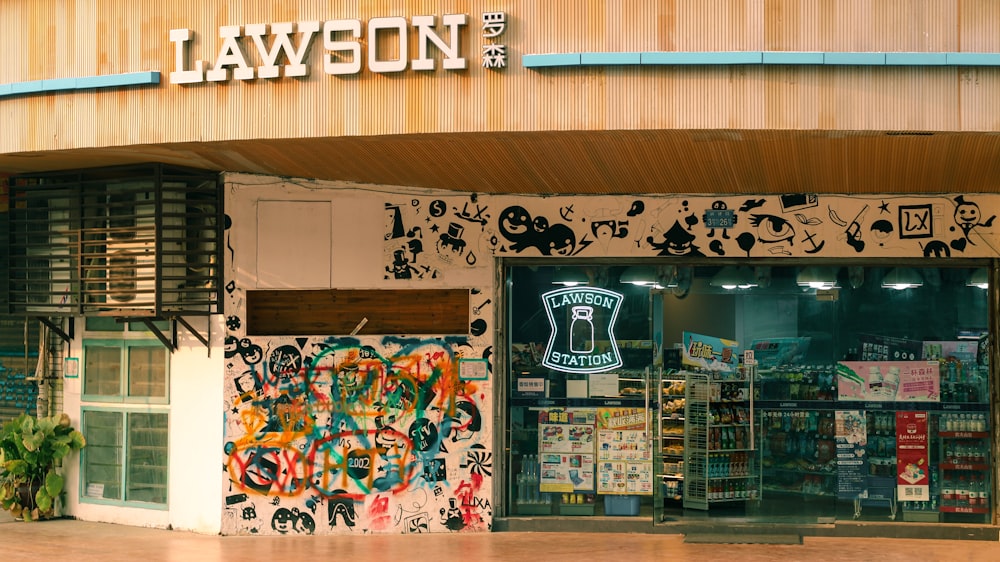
(85, 83)
(690, 57)
(608, 59)
(792, 57)
(556, 59)
(804, 58)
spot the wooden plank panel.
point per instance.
(339, 311)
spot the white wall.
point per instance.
(195, 480)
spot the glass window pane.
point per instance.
(103, 324)
(102, 370)
(102, 457)
(147, 372)
(147, 458)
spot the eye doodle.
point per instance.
(772, 229)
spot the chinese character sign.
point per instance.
(494, 54)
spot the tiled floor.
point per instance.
(80, 541)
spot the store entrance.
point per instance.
(688, 402)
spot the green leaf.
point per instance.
(32, 441)
(17, 467)
(78, 441)
(53, 484)
(27, 424)
(60, 450)
(43, 500)
(46, 425)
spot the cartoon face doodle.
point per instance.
(772, 229)
(517, 225)
(676, 242)
(968, 216)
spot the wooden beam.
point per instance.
(342, 311)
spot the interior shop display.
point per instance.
(719, 455)
(671, 436)
(798, 452)
(566, 451)
(964, 441)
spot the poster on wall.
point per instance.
(889, 381)
(566, 447)
(913, 475)
(624, 458)
(772, 352)
(965, 351)
(717, 355)
(852, 463)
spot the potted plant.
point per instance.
(31, 449)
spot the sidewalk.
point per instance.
(80, 541)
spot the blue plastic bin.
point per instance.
(621, 505)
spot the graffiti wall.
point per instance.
(334, 433)
(464, 231)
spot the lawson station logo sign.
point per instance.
(280, 50)
(583, 330)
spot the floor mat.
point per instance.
(736, 538)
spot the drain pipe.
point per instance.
(41, 367)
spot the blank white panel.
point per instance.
(294, 244)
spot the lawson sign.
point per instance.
(282, 49)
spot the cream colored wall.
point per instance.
(48, 39)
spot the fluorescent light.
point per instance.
(731, 277)
(900, 278)
(638, 275)
(817, 277)
(979, 278)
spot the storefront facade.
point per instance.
(394, 343)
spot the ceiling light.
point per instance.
(900, 278)
(979, 278)
(638, 275)
(731, 277)
(815, 277)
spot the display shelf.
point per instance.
(719, 466)
(963, 509)
(670, 446)
(965, 472)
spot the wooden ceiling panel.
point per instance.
(593, 162)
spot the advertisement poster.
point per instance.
(852, 463)
(882, 348)
(624, 458)
(710, 353)
(963, 350)
(566, 447)
(772, 352)
(889, 381)
(913, 480)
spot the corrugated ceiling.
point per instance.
(593, 162)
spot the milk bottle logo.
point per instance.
(581, 330)
(582, 320)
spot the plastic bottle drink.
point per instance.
(962, 492)
(948, 491)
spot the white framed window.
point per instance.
(130, 371)
(125, 419)
(126, 457)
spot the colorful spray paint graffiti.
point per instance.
(330, 435)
